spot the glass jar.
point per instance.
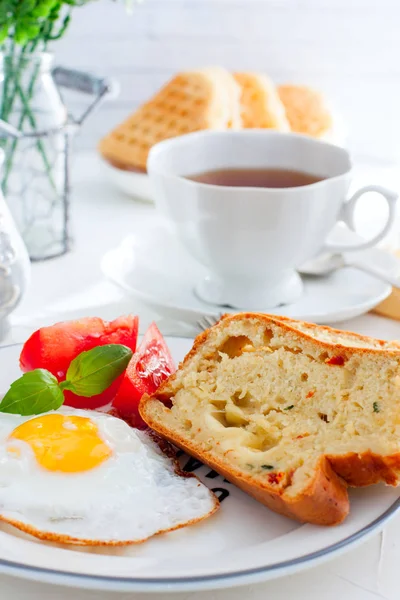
(34, 178)
(14, 264)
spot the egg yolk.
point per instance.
(63, 443)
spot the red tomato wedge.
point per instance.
(53, 348)
(149, 366)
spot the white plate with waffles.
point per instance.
(153, 267)
(243, 542)
(131, 183)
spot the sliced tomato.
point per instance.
(53, 348)
(148, 368)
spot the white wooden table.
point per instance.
(73, 286)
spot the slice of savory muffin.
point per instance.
(290, 412)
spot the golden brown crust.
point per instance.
(292, 325)
(359, 470)
(325, 500)
(50, 536)
(311, 327)
(122, 166)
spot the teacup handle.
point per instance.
(347, 216)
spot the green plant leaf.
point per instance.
(93, 371)
(5, 13)
(35, 392)
(20, 35)
(40, 11)
(32, 31)
(26, 7)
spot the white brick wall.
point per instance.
(348, 48)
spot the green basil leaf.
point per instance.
(34, 393)
(93, 371)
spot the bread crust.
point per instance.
(325, 499)
(359, 470)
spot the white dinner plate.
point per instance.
(153, 266)
(243, 542)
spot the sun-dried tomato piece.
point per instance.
(336, 361)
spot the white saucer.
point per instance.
(135, 185)
(154, 267)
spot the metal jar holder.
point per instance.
(80, 82)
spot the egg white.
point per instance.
(131, 496)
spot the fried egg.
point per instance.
(85, 477)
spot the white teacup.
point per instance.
(252, 239)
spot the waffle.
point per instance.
(306, 110)
(194, 100)
(261, 106)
